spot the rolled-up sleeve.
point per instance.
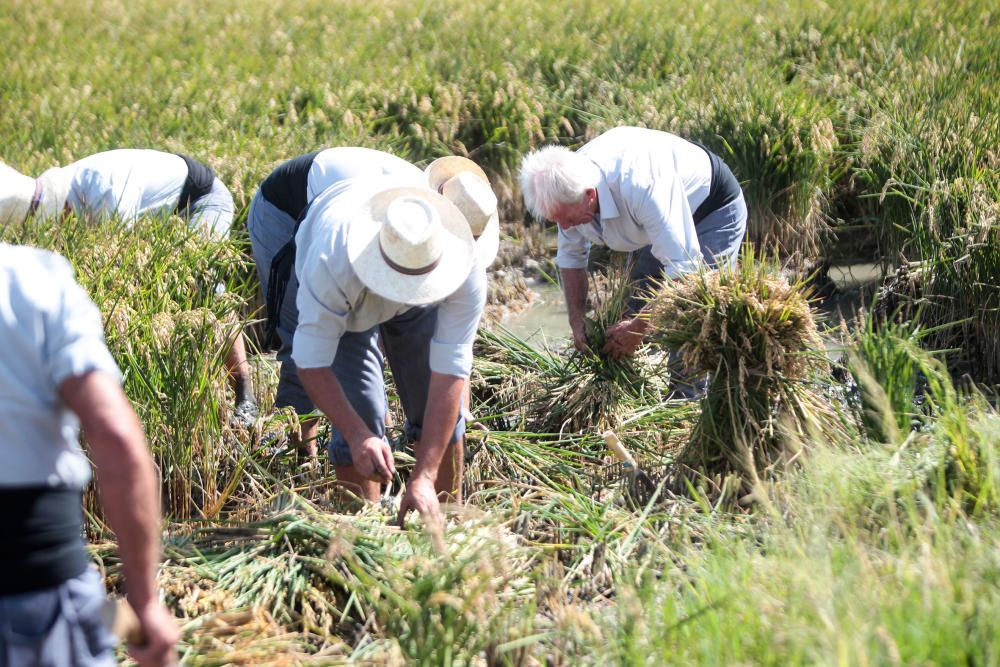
(663, 211)
(573, 249)
(323, 310)
(74, 335)
(457, 323)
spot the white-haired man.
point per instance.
(387, 258)
(672, 202)
(283, 199)
(128, 184)
(55, 375)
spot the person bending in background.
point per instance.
(284, 197)
(56, 374)
(128, 184)
(671, 202)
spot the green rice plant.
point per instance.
(887, 365)
(172, 307)
(912, 404)
(754, 333)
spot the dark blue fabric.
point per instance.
(59, 626)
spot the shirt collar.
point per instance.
(606, 201)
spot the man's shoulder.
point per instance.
(34, 276)
(31, 263)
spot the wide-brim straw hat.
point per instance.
(410, 246)
(487, 235)
(16, 193)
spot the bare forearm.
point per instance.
(575, 288)
(325, 391)
(127, 484)
(440, 416)
(126, 480)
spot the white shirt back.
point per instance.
(652, 183)
(51, 331)
(334, 165)
(127, 183)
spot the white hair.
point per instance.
(555, 175)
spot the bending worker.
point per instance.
(388, 258)
(285, 196)
(671, 202)
(129, 184)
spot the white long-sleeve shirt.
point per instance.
(51, 331)
(651, 183)
(333, 165)
(332, 300)
(127, 183)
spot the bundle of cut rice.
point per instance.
(754, 334)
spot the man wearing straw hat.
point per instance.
(128, 184)
(671, 202)
(387, 258)
(55, 375)
(283, 199)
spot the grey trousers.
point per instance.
(59, 627)
(720, 235)
(213, 213)
(359, 362)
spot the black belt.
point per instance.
(198, 183)
(724, 188)
(41, 538)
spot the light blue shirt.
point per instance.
(127, 183)
(332, 300)
(51, 332)
(333, 165)
(651, 183)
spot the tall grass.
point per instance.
(171, 304)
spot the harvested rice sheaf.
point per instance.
(754, 334)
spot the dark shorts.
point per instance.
(58, 626)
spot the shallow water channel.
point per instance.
(544, 322)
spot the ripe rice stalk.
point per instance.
(755, 334)
(342, 578)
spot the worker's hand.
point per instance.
(159, 634)
(624, 338)
(580, 341)
(373, 459)
(472, 422)
(422, 496)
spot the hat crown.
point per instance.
(474, 198)
(410, 237)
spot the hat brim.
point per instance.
(444, 168)
(488, 243)
(457, 256)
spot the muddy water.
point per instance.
(544, 321)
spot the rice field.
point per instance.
(809, 511)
